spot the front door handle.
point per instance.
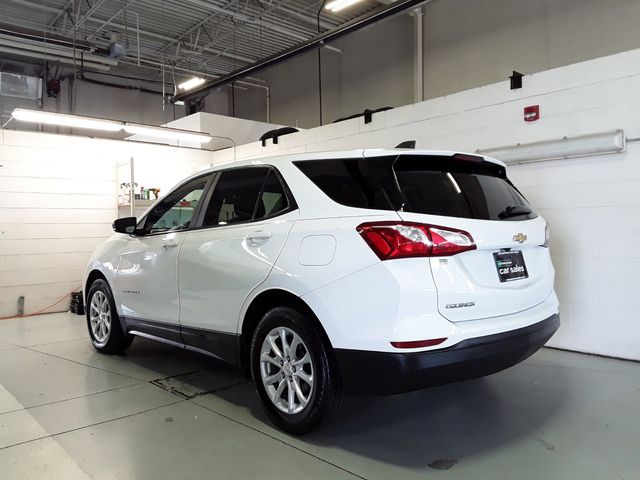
(167, 244)
(258, 237)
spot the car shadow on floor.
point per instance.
(436, 427)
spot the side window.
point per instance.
(235, 196)
(175, 211)
(272, 199)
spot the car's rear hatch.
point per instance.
(507, 270)
(510, 269)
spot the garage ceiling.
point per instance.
(210, 37)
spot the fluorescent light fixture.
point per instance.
(77, 121)
(567, 147)
(337, 5)
(191, 83)
(166, 133)
(66, 120)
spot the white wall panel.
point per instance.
(58, 198)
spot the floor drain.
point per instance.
(192, 384)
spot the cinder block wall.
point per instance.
(58, 198)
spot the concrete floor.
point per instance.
(67, 412)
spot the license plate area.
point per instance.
(510, 266)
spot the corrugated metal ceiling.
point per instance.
(204, 36)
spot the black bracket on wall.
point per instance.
(367, 114)
(407, 144)
(516, 80)
(274, 134)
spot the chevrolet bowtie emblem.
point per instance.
(520, 238)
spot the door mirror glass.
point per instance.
(125, 225)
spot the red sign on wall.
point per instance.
(531, 113)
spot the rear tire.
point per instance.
(103, 322)
(298, 385)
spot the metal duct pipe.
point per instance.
(40, 47)
(351, 26)
(52, 58)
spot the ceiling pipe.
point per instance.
(348, 27)
(42, 47)
(51, 58)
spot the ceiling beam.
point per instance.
(348, 27)
(60, 14)
(247, 19)
(266, 11)
(84, 18)
(194, 28)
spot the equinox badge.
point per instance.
(520, 238)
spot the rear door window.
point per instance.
(273, 198)
(234, 197)
(243, 195)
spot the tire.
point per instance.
(103, 322)
(323, 394)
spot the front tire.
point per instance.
(293, 371)
(103, 322)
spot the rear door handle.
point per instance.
(259, 236)
(167, 244)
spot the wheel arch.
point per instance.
(264, 302)
(94, 275)
(97, 274)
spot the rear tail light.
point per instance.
(406, 239)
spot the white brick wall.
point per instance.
(592, 204)
(58, 198)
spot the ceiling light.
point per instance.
(66, 120)
(191, 83)
(77, 121)
(337, 5)
(166, 133)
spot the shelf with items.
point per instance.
(133, 198)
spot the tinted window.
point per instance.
(175, 211)
(354, 182)
(273, 198)
(235, 196)
(437, 185)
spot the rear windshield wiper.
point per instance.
(514, 211)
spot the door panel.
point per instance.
(147, 277)
(219, 267)
(147, 268)
(245, 225)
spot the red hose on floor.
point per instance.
(43, 310)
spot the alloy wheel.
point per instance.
(286, 369)
(100, 317)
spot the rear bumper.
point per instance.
(379, 373)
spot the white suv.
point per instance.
(366, 271)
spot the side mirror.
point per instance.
(125, 225)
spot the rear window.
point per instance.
(435, 185)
